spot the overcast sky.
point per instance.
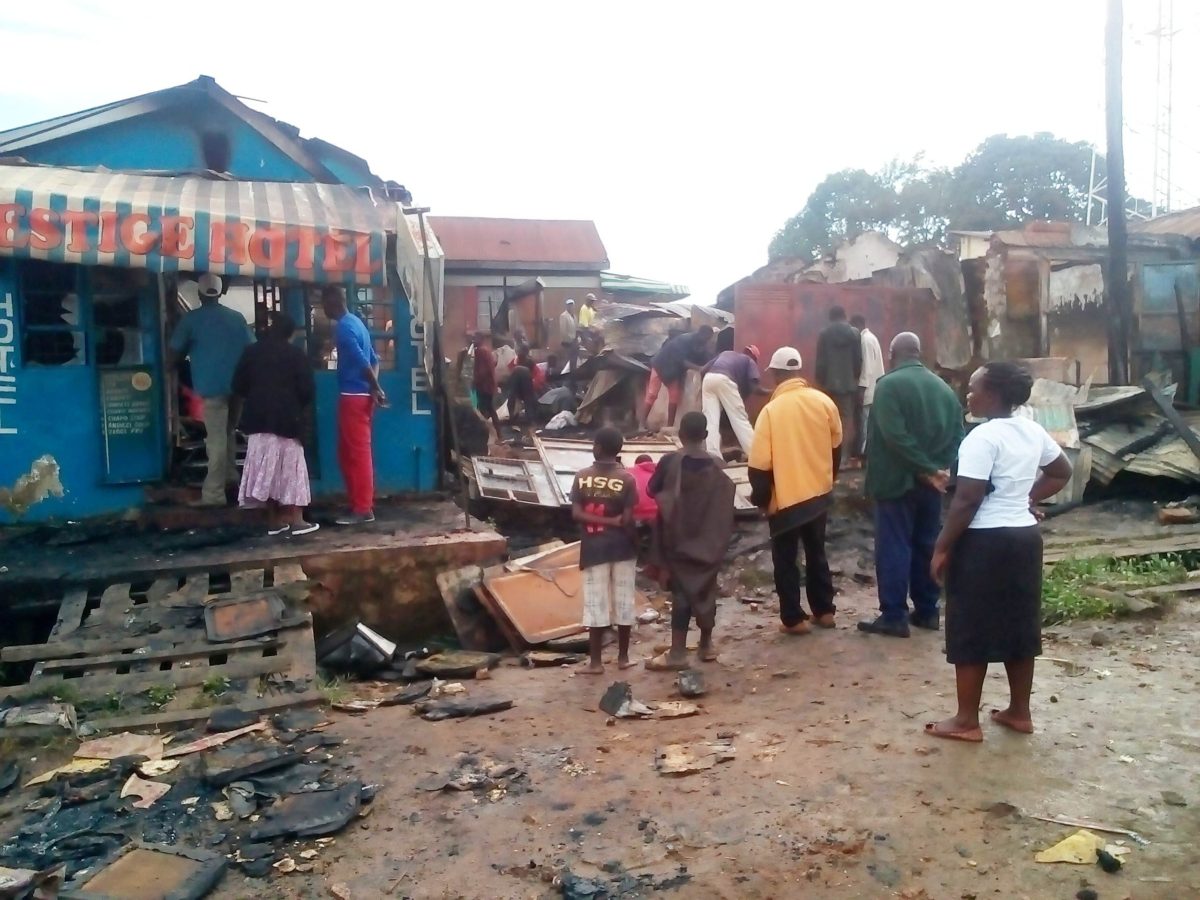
(689, 136)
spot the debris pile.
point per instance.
(257, 794)
(481, 775)
(1136, 430)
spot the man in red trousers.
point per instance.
(358, 395)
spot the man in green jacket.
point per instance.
(915, 428)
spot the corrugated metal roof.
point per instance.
(286, 137)
(561, 244)
(1185, 222)
(1070, 239)
(630, 284)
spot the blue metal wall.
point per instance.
(170, 140)
(56, 411)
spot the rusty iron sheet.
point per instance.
(554, 557)
(541, 606)
(243, 617)
(497, 613)
(779, 315)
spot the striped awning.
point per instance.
(260, 229)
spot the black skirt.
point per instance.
(994, 596)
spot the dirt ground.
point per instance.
(834, 791)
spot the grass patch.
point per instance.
(216, 685)
(160, 696)
(333, 689)
(60, 691)
(1065, 590)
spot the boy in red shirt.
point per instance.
(484, 380)
(646, 510)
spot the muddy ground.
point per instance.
(834, 791)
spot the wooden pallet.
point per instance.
(1140, 545)
(120, 640)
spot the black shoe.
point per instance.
(884, 627)
(929, 623)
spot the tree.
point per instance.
(1003, 183)
(1008, 181)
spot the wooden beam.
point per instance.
(73, 647)
(96, 687)
(179, 653)
(1121, 551)
(267, 704)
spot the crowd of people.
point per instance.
(266, 390)
(907, 424)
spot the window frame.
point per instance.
(81, 291)
(356, 302)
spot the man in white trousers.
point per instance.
(726, 382)
(872, 371)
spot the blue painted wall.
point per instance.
(171, 140)
(403, 439)
(56, 411)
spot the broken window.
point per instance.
(378, 313)
(487, 306)
(51, 322)
(116, 315)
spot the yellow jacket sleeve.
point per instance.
(760, 449)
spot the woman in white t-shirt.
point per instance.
(989, 553)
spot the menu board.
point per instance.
(131, 424)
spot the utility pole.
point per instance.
(1116, 289)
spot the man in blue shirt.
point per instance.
(358, 395)
(213, 337)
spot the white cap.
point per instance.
(591, 296)
(209, 285)
(786, 359)
(570, 302)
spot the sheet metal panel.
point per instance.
(778, 315)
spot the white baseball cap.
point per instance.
(570, 302)
(209, 285)
(786, 359)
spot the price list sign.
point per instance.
(129, 418)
